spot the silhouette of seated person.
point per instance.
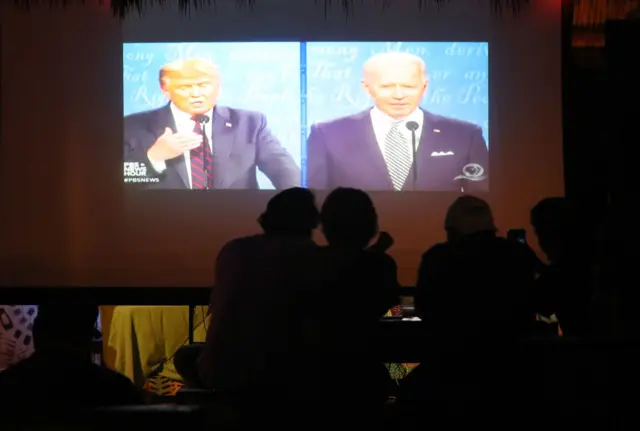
(581, 371)
(252, 335)
(473, 294)
(60, 374)
(343, 314)
(476, 284)
(566, 287)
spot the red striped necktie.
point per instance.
(201, 162)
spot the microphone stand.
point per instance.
(414, 164)
(413, 126)
(203, 120)
(205, 141)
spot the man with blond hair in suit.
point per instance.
(194, 143)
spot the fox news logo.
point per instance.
(135, 169)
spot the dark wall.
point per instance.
(586, 173)
(622, 114)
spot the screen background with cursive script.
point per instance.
(266, 77)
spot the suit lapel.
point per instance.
(430, 140)
(426, 136)
(367, 147)
(164, 119)
(222, 139)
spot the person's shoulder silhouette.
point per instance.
(61, 372)
(349, 224)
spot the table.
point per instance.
(143, 339)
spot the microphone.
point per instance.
(202, 120)
(413, 126)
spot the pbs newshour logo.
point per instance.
(136, 172)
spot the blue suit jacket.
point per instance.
(241, 142)
(452, 156)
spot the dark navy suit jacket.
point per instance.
(452, 156)
(242, 143)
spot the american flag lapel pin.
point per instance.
(227, 124)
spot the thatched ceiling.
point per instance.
(123, 7)
(588, 18)
(588, 13)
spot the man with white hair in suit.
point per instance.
(374, 149)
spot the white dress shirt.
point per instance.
(382, 124)
(185, 124)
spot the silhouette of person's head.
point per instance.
(292, 212)
(554, 222)
(468, 215)
(349, 218)
(68, 327)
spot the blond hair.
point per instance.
(193, 68)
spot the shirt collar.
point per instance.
(417, 115)
(182, 117)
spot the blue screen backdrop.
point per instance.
(298, 84)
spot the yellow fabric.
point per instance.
(142, 339)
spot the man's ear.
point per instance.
(163, 88)
(165, 93)
(365, 87)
